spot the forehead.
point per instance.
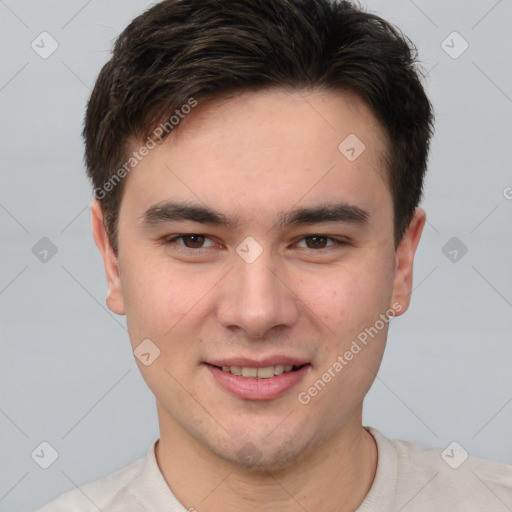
(268, 150)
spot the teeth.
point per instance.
(278, 369)
(236, 370)
(249, 372)
(260, 373)
(265, 373)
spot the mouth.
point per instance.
(252, 372)
(262, 380)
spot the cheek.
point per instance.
(155, 299)
(160, 308)
(166, 305)
(348, 300)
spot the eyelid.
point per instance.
(335, 240)
(173, 239)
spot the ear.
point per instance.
(402, 284)
(114, 300)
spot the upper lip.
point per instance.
(262, 362)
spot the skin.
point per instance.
(253, 157)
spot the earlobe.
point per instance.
(114, 299)
(402, 285)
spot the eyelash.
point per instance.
(171, 240)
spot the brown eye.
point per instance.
(319, 242)
(316, 241)
(193, 241)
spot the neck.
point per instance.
(335, 476)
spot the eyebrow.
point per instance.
(177, 211)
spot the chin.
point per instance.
(256, 453)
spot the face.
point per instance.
(251, 240)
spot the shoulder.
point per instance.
(101, 494)
(447, 478)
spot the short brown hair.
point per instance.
(203, 49)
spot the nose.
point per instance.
(257, 298)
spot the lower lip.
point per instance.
(257, 389)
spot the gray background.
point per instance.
(67, 373)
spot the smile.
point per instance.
(257, 383)
(259, 373)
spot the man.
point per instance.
(257, 168)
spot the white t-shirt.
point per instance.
(409, 478)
